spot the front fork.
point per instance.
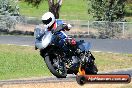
(87, 59)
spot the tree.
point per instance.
(54, 5)
(8, 7)
(8, 10)
(108, 10)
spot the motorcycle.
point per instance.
(73, 57)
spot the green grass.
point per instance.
(110, 61)
(30, 11)
(24, 62)
(71, 9)
(21, 62)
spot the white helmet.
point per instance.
(48, 19)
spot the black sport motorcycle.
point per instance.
(67, 59)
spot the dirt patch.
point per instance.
(67, 85)
(30, 27)
(25, 27)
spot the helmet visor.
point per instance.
(47, 21)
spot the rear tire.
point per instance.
(81, 80)
(91, 69)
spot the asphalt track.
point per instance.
(52, 79)
(107, 45)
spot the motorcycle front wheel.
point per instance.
(56, 66)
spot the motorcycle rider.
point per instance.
(56, 26)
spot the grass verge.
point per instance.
(22, 62)
(70, 9)
(110, 61)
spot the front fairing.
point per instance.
(84, 46)
(38, 32)
(42, 39)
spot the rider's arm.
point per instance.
(66, 27)
(61, 26)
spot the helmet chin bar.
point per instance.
(45, 26)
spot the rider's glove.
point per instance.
(67, 27)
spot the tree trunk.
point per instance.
(55, 7)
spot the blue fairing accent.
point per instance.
(61, 41)
(85, 46)
(59, 22)
(61, 35)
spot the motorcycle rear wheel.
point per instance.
(91, 69)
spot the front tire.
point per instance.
(49, 62)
